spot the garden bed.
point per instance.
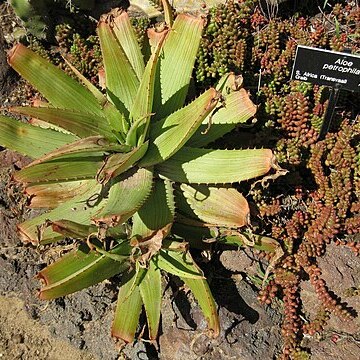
(290, 210)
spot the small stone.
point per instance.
(18, 338)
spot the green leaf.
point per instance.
(79, 123)
(168, 13)
(45, 125)
(121, 81)
(178, 263)
(127, 311)
(175, 68)
(69, 228)
(237, 108)
(143, 103)
(80, 269)
(127, 38)
(202, 293)
(69, 168)
(150, 290)
(217, 206)
(169, 135)
(205, 135)
(89, 146)
(192, 165)
(126, 196)
(140, 273)
(118, 163)
(201, 237)
(225, 82)
(240, 239)
(157, 212)
(31, 140)
(116, 120)
(79, 209)
(54, 84)
(52, 195)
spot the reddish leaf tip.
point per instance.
(25, 238)
(11, 53)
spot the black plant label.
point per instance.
(325, 67)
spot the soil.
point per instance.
(24, 338)
(78, 326)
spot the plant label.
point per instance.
(329, 68)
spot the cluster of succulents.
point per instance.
(329, 213)
(304, 221)
(83, 52)
(224, 44)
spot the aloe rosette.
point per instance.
(112, 168)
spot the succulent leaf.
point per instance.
(183, 38)
(194, 235)
(127, 311)
(198, 235)
(150, 290)
(121, 81)
(259, 242)
(79, 209)
(125, 197)
(91, 145)
(140, 273)
(126, 36)
(217, 206)
(118, 163)
(168, 12)
(55, 85)
(116, 120)
(169, 135)
(206, 134)
(155, 36)
(80, 269)
(143, 103)
(179, 263)
(31, 140)
(101, 98)
(52, 195)
(202, 293)
(69, 228)
(157, 212)
(200, 166)
(81, 124)
(237, 108)
(73, 167)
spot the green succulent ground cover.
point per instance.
(129, 172)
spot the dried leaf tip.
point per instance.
(12, 52)
(111, 16)
(235, 82)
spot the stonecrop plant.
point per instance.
(128, 172)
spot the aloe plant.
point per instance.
(112, 168)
